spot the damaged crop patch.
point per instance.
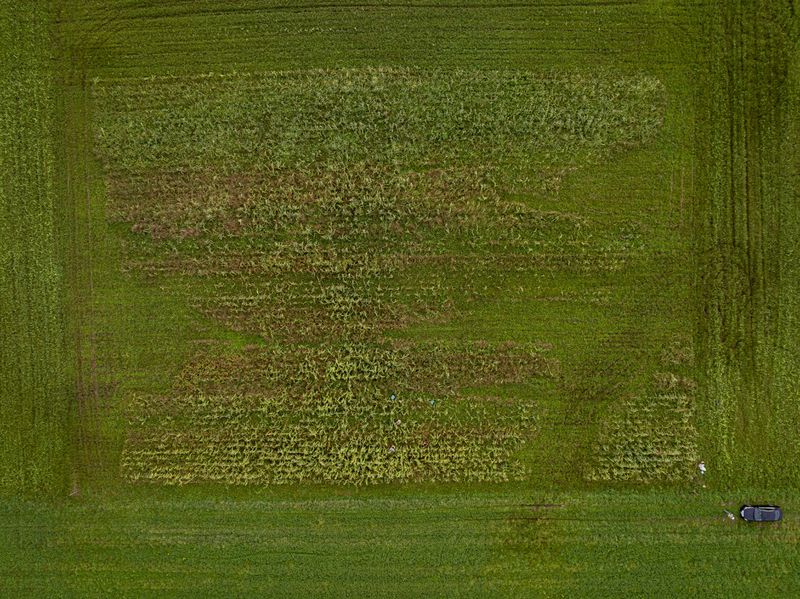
(330, 210)
(354, 414)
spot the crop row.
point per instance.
(434, 367)
(341, 117)
(352, 413)
(332, 437)
(648, 439)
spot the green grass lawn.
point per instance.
(401, 299)
(409, 543)
(36, 388)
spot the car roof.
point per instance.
(761, 513)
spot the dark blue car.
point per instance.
(761, 513)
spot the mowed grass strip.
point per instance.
(649, 542)
(35, 388)
(471, 544)
(395, 547)
(254, 35)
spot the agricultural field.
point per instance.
(398, 299)
(357, 205)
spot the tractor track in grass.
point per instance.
(80, 273)
(90, 408)
(747, 239)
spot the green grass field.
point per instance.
(398, 299)
(410, 543)
(35, 372)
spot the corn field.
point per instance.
(329, 211)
